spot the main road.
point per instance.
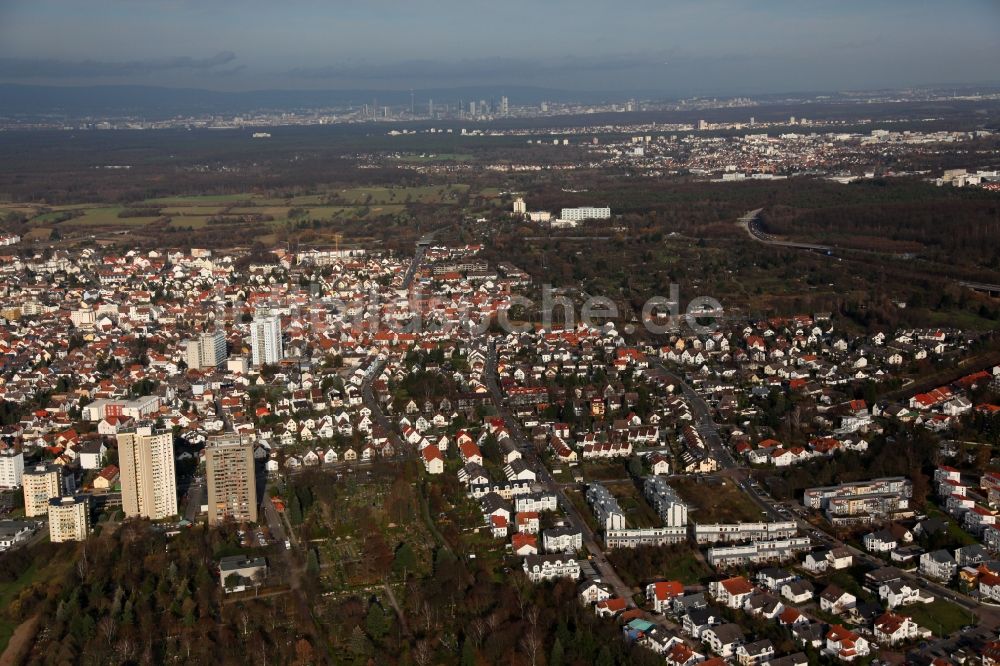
(600, 561)
(751, 223)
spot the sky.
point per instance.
(673, 47)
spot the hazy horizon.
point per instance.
(721, 47)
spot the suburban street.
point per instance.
(988, 616)
(608, 573)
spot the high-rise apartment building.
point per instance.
(69, 518)
(265, 340)
(146, 460)
(11, 468)
(206, 351)
(232, 486)
(41, 483)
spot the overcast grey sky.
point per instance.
(668, 46)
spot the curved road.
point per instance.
(751, 224)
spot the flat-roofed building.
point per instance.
(41, 482)
(69, 518)
(231, 479)
(11, 468)
(146, 460)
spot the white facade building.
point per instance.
(207, 351)
(11, 468)
(149, 485)
(585, 213)
(265, 340)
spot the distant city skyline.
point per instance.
(674, 48)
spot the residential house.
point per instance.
(892, 628)
(661, 595)
(836, 601)
(758, 652)
(723, 639)
(732, 592)
(938, 565)
(845, 644)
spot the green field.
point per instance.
(202, 199)
(716, 500)
(375, 196)
(687, 568)
(941, 617)
(182, 211)
(638, 512)
(108, 217)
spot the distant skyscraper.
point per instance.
(430, 108)
(207, 351)
(41, 483)
(702, 125)
(504, 106)
(265, 340)
(472, 108)
(146, 459)
(520, 208)
(232, 486)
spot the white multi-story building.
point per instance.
(645, 536)
(207, 351)
(41, 483)
(520, 207)
(609, 514)
(562, 540)
(585, 213)
(69, 518)
(735, 532)
(548, 567)
(265, 340)
(757, 552)
(672, 509)
(11, 468)
(146, 459)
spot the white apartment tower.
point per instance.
(69, 518)
(11, 468)
(265, 340)
(41, 483)
(146, 459)
(520, 208)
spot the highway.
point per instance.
(599, 560)
(751, 223)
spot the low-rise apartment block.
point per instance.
(737, 532)
(757, 552)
